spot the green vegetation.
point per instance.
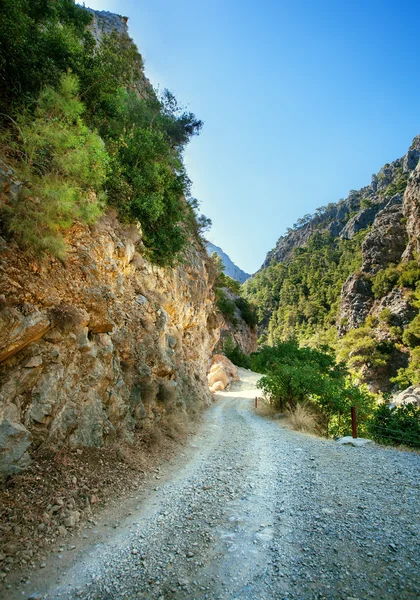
(398, 185)
(228, 296)
(406, 274)
(360, 348)
(65, 165)
(301, 298)
(134, 138)
(294, 375)
(397, 425)
(233, 352)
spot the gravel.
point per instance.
(261, 512)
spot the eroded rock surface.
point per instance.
(100, 346)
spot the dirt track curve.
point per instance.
(254, 511)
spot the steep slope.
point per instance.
(100, 347)
(336, 272)
(230, 268)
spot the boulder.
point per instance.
(410, 395)
(230, 369)
(222, 373)
(218, 375)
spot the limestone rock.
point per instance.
(218, 375)
(356, 442)
(14, 441)
(230, 369)
(387, 240)
(410, 395)
(102, 346)
(18, 331)
(356, 302)
(222, 372)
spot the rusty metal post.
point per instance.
(256, 401)
(353, 422)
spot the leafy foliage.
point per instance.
(295, 375)
(406, 274)
(63, 166)
(301, 298)
(144, 134)
(233, 352)
(397, 425)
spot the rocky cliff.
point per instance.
(100, 346)
(353, 214)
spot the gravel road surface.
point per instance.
(255, 511)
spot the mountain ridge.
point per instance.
(231, 269)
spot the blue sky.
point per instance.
(301, 102)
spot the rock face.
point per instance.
(410, 395)
(101, 346)
(230, 268)
(358, 211)
(243, 335)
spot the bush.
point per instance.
(359, 348)
(398, 425)
(144, 134)
(386, 316)
(384, 281)
(63, 166)
(234, 353)
(248, 311)
(411, 335)
(226, 306)
(295, 376)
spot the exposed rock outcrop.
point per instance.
(222, 372)
(101, 346)
(242, 334)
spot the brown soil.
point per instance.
(83, 480)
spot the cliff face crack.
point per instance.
(253, 510)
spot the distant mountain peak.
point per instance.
(230, 268)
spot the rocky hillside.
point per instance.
(101, 346)
(348, 275)
(108, 313)
(230, 268)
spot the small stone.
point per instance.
(134, 551)
(42, 565)
(32, 363)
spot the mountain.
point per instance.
(230, 268)
(348, 276)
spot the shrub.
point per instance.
(386, 316)
(296, 375)
(359, 348)
(411, 374)
(398, 425)
(411, 335)
(248, 311)
(384, 281)
(63, 166)
(234, 353)
(302, 418)
(409, 274)
(226, 306)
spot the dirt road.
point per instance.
(254, 511)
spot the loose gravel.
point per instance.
(261, 512)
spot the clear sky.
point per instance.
(301, 101)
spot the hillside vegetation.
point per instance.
(84, 129)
